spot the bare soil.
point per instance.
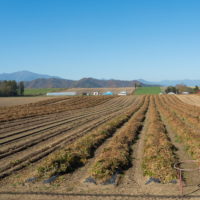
(13, 101)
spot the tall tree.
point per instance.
(8, 88)
(196, 89)
(21, 88)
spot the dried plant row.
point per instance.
(192, 109)
(6, 127)
(77, 154)
(46, 107)
(183, 112)
(31, 149)
(158, 156)
(187, 135)
(116, 156)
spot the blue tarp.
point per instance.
(107, 93)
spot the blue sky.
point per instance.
(120, 39)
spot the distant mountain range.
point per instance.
(172, 82)
(82, 83)
(23, 76)
(34, 80)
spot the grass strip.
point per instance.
(158, 156)
(77, 154)
(116, 156)
(147, 90)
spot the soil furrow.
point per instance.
(35, 156)
(79, 134)
(119, 101)
(95, 113)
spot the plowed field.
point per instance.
(99, 148)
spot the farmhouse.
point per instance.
(185, 93)
(122, 93)
(171, 93)
(95, 93)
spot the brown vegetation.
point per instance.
(28, 140)
(190, 99)
(116, 155)
(77, 154)
(177, 120)
(158, 158)
(44, 108)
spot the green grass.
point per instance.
(40, 91)
(148, 90)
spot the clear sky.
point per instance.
(120, 39)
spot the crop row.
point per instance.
(31, 150)
(34, 130)
(185, 133)
(158, 156)
(29, 110)
(189, 109)
(7, 127)
(38, 153)
(67, 159)
(44, 133)
(183, 112)
(116, 156)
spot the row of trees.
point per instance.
(178, 89)
(11, 88)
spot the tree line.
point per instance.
(179, 89)
(11, 88)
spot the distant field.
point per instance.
(40, 91)
(148, 90)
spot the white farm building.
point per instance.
(61, 94)
(122, 93)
